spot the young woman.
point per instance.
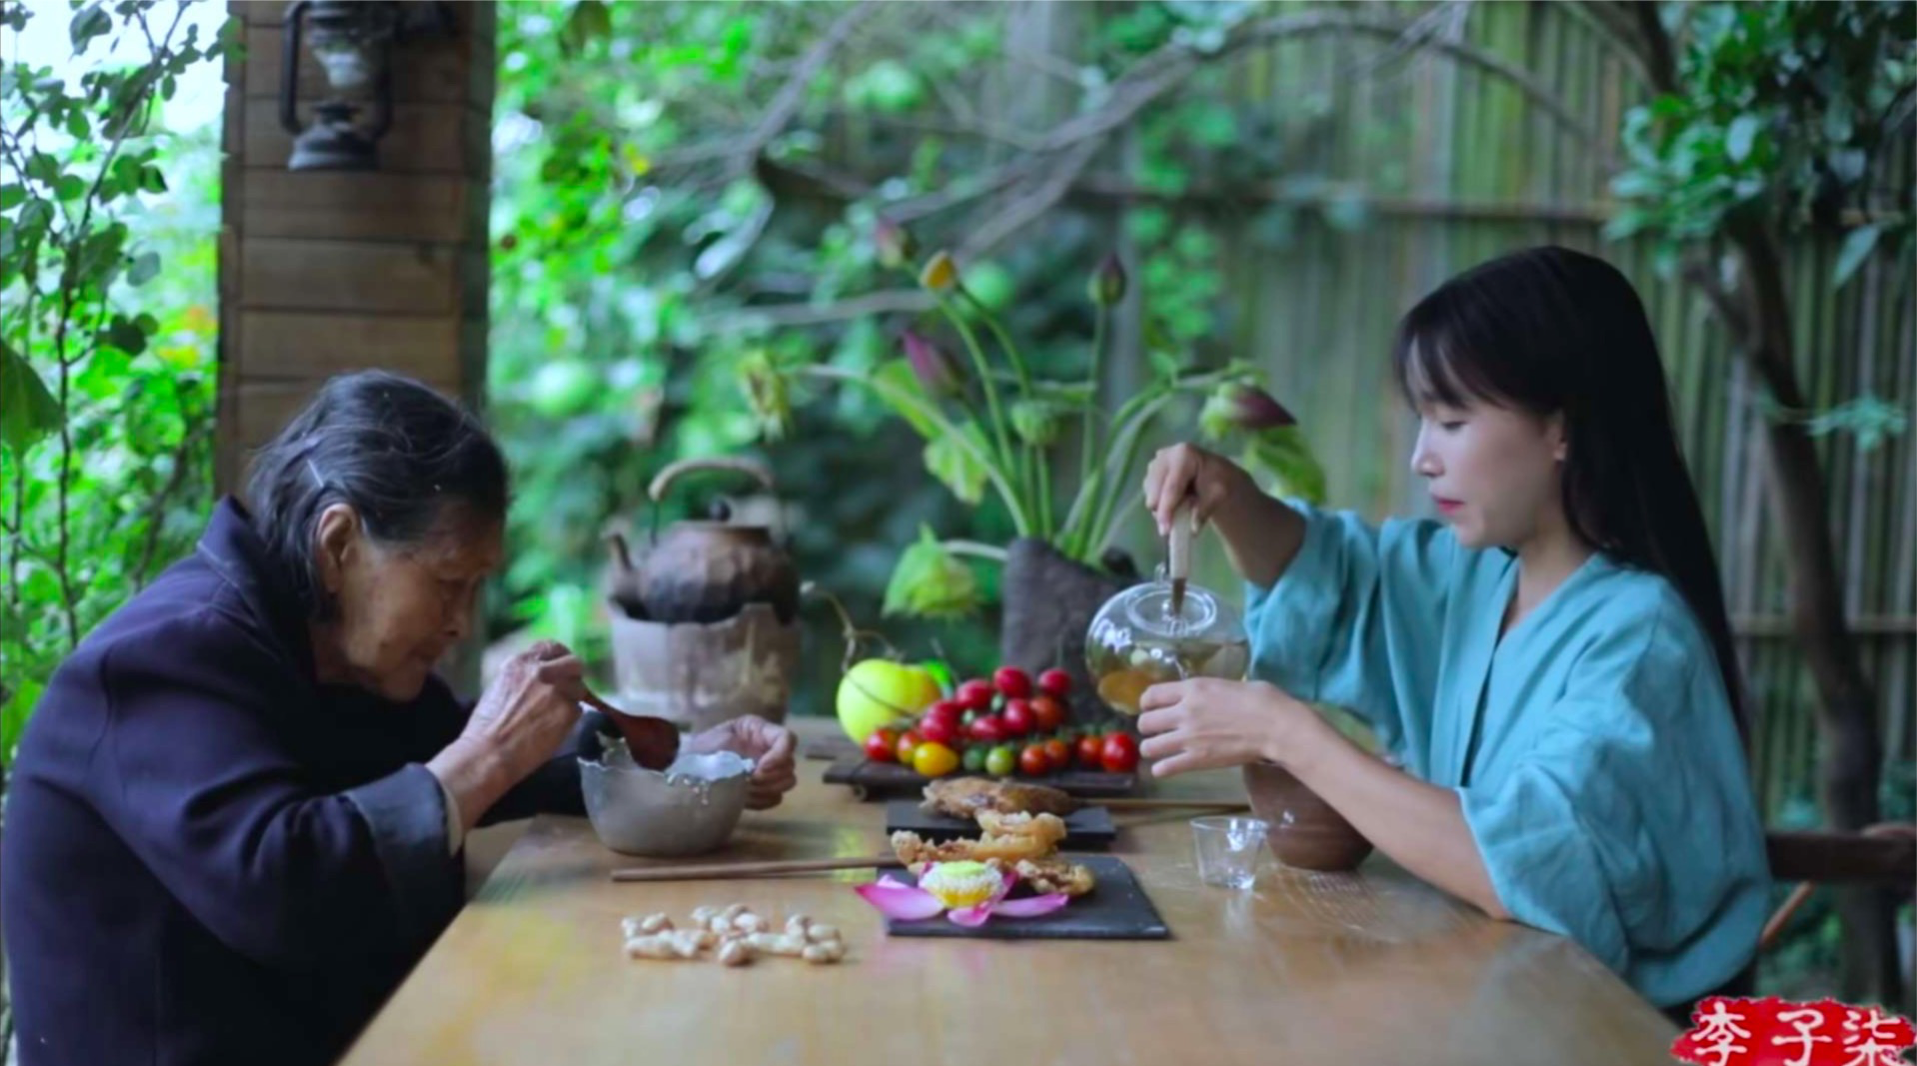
(1551, 664)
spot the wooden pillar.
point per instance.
(327, 271)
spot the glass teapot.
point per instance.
(1164, 630)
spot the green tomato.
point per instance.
(974, 760)
(1002, 761)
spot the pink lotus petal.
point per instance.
(900, 901)
(1031, 908)
(888, 879)
(973, 916)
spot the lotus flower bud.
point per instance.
(1238, 406)
(934, 369)
(893, 244)
(940, 273)
(1107, 286)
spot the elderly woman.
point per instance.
(236, 817)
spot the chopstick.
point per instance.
(721, 871)
(1169, 804)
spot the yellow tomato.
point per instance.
(934, 759)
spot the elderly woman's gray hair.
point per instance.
(405, 457)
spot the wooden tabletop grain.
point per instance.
(1308, 968)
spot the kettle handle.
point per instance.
(662, 481)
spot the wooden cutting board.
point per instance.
(1087, 827)
(1118, 909)
(877, 780)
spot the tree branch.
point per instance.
(738, 319)
(791, 95)
(156, 507)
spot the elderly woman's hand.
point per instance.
(520, 720)
(769, 746)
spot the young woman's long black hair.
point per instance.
(1553, 331)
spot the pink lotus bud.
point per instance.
(934, 369)
(1239, 406)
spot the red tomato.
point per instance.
(988, 729)
(1018, 718)
(1012, 681)
(1033, 762)
(941, 731)
(1091, 751)
(909, 742)
(974, 695)
(1048, 714)
(1055, 683)
(882, 745)
(1058, 753)
(1121, 753)
(945, 709)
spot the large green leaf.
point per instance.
(956, 466)
(1286, 456)
(28, 412)
(931, 582)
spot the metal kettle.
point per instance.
(705, 571)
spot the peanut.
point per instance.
(823, 954)
(822, 934)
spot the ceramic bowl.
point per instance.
(1305, 832)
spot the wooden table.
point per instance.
(1306, 968)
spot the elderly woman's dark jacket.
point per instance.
(211, 858)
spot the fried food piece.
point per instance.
(964, 797)
(1056, 875)
(1008, 838)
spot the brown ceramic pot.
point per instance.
(1306, 831)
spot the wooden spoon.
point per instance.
(653, 742)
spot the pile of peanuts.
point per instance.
(734, 934)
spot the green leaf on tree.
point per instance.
(1857, 248)
(146, 266)
(87, 23)
(28, 412)
(1741, 137)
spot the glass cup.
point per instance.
(1228, 847)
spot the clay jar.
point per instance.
(1306, 832)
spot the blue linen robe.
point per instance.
(1592, 747)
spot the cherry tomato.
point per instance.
(934, 759)
(974, 695)
(947, 709)
(974, 759)
(1048, 714)
(1001, 761)
(1018, 718)
(988, 729)
(882, 745)
(1091, 751)
(1121, 753)
(1055, 683)
(1033, 762)
(1058, 753)
(909, 742)
(940, 731)
(1011, 681)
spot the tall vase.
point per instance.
(1049, 600)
